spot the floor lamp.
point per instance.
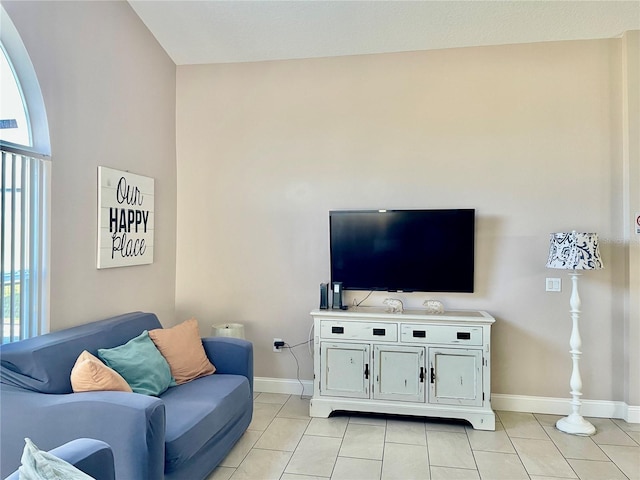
(575, 251)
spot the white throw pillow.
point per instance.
(39, 465)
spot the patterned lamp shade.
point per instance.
(574, 251)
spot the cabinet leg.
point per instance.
(318, 409)
(483, 421)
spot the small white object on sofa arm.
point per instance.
(41, 465)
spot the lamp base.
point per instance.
(575, 425)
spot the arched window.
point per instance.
(14, 123)
(24, 203)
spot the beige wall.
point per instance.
(537, 138)
(529, 135)
(109, 91)
(631, 182)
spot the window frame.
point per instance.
(34, 307)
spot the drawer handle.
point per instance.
(419, 334)
(379, 331)
(433, 375)
(464, 335)
(366, 371)
(421, 374)
(337, 329)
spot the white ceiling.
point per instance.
(207, 31)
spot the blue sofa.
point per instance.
(182, 434)
(93, 457)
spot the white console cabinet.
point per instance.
(410, 363)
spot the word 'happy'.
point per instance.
(123, 219)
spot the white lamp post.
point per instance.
(575, 251)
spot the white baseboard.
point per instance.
(283, 385)
(512, 403)
(562, 406)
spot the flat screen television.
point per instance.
(403, 250)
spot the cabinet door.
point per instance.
(345, 369)
(455, 376)
(399, 373)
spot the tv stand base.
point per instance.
(320, 407)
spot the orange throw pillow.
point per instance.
(89, 374)
(182, 347)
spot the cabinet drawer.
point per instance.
(444, 334)
(359, 330)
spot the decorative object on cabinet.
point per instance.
(575, 251)
(394, 305)
(434, 306)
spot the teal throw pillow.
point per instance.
(39, 465)
(141, 364)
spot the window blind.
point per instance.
(24, 236)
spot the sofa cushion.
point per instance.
(89, 374)
(197, 411)
(43, 364)
(182, 347)
(140, 364)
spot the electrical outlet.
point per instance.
(277, 349)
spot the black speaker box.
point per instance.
(324, 296)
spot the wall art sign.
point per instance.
(125, 218)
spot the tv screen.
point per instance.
(403, 250)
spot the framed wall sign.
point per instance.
(125, 218)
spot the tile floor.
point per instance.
(284, 443)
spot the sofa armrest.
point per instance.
(230, 355)
(93, 457)
(132, 424)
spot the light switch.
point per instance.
(554, 285)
